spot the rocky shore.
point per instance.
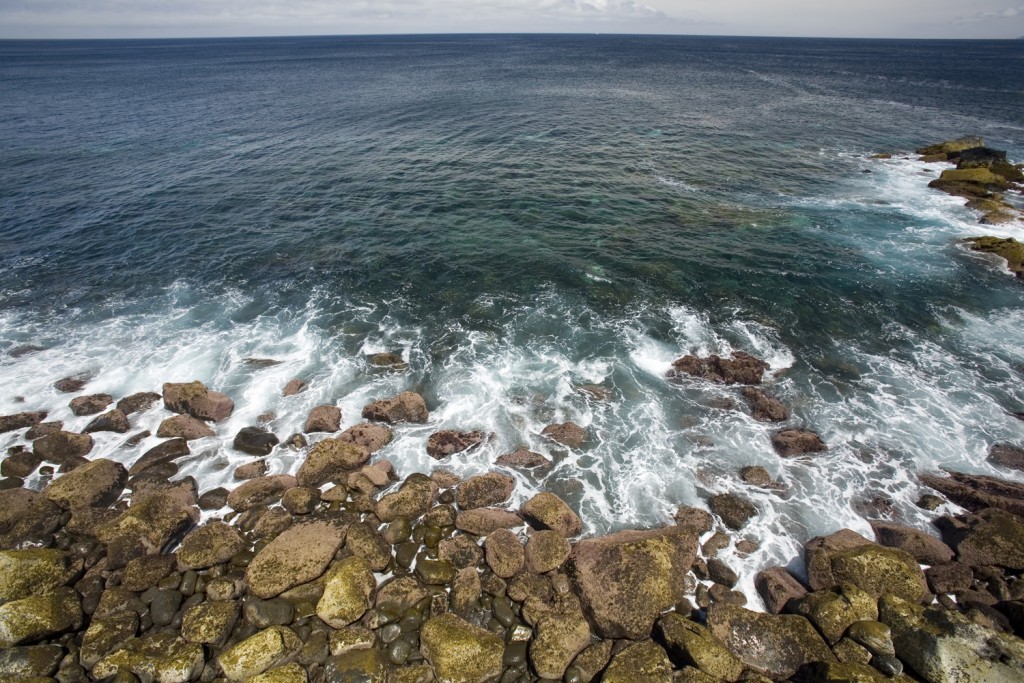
(346, 571)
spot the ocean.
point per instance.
(519, 215)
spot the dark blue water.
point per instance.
(519, 215)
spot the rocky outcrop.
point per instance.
(504, 553)
(294, 386)
(1007, 248)
(977, 492)
(161, 657)
(260, 491)
(408, 406)
(450, 441)
(742, 368)
(1008, 456)
(546, 551)
(848, 557)
(38, 616)
(992, 537)
(145, 527)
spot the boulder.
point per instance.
(26, 516)
(774, 646)
(991, 537)
(90, 405)
(925, 549)
(162, 657)
(213, 543)
(145, 527)
(298, 555)
(626, 579)
(372, 437)
(694, 518)
(484, 490)
(546, 551)
(568, 434)
(846, 556)
(450, 441)
(159, 454)
(147, 571)
(548, 511)
(62, 446)
(251, 470)
(742, 368)
(110, 421)
(690, 644)
(764, 407)
(365, 541)
(833, 611)
(644, 661)
(20, 464)
(287, 673)
(790, 443)
(97, 483)
(952, 146)
(408, 406)
(734, 510)
(41, 429)
(560, 637)
(193, 398)
(348, 592)
(261, 491)
(138, 402)
(39, 616)
(294, 386)
(331, 460)
(301, 500)
(10, 423)
(267, 648)
(977, 492)
(776, 586)
(255, 441)
(40, 661)
(412, 500)
(504, 553)
(483, 521)
(523, 459)
(1008, 248)
(459, 652)
(69, 385)
(33, 571)
(1005, 455)
(462, 551)
(210, 623)
(323, 418)
(184, 427)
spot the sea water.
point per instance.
(519, 216)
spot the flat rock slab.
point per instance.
(300, 554)
(976, 492)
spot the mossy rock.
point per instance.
(259, 652)
(98, 482)
(1009, 248)
(299, 555)
(329, 460)
(365, 666)
(546, 551)
(33, 571)
(460, 652)
(412, 673)
(210, 623)
(39, 661)
(161, 657)
(689, 643)
(412, 500)
(644, 661)
(348, 589)
(838, 672)
(213, 543)
(952, 146)
(981, 176)
(833, 611)
(560, 637)
(107, 634)
(38, 616)
(848, 557)
(365, 541)
(289, 673)
(351, 638)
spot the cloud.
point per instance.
(986, 15)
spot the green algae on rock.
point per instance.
(460, 652)
(1008, 248)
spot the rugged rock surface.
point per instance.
(450, 441)
(790, 443)
(348, 592)
(371, 436)
(323, 418)
(765, 407)
(644, 661)
(460, 652)
(298, 555)
(523, 459)
(1008, 456)
(211, 544)
(10, 423)
(1008, 248)
(924, 548)
(331, 460)
(742, 368)
(260, 491)
(159, 454)
(408, 406)
(90, 405)
(484, 490)
(548, 511)
(777, 587)
(255, 441)
(99, 482)
(193, 398)
(690, 644)
(991, 537)
(411, 500)
(62, 446)
(137, 403)
(110, 421)
(735, 510)
(846, 556)
(184, 427)
(977, 492)
(568, 434)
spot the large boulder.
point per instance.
(977, 492)
(691, 644)
(459, 652)
(953, 147)
(846, 556)
(26, 516)
(183, 427)
(742, 368)
(213, 543)
(165, 451)
(546, 551)
(790, 443)
(561, 635)
(260, 491)
(774, 646)
(412, 500)
(523, 459)
(504, 553)
(193, 398)
(10, 423)
(484, 490)
(33, 571)
(567, 433)
(764, 407)
(991, 537)
(483, 521)
(160, 657)
(98, 482)
(62, 446)
(626, 579)
(267, 648)
(110, 421)
(255, 441)
(408, 406)
(644, 661)
(833, 611)
(90, 405)
(450, 441)
(39, 616)
(348, 592)
(776, 586)
(139, 402)
(372, 437)
(145, 527)
(548, 511)
(926, 549)
(323, 418)
(331, 460)
(300, 554)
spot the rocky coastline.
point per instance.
(348, 571)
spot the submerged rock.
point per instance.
(790, 443)
(568, 434)
(524, 459)
(764, 407)
(450, 441)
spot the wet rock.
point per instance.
(764, 407)
(255, 441)
(690, 644)
(790, 443)
(20, 663)
(435, 572)
(38, 616)
(213, 543)
(193, 398)
(388, 360)
(159, 454)
(62, 446)
(300, 554)
(264, 613)
(560, 637)
(775, 646)
(874, 636)
(482, 521)
(145, 527)
(977, 492)
(846, 556)
(568, 434)
(776, 586)
(466, 591)
(721, 573)
(152, 480)
(90, 405)
(160, 657)
(372, 437)
(31, 571)
(412, 500)
(484, 490)
(287, 673)
(301, 500)
(992, 537)
(259, 652)
(348, 591)
(110, 421)
(294, 386)
(1005, 455)
(504, 553)
(364, 540)
(331, 460)
(548, 511)
(449, 441)
(69, 385)
(461, 551)
(459, 652)
(20, 464)
(323, 418)
(184, 427)
(742, 368)
(261, 491)
(734, 510)
(591, 662)
(99, 482)
(924, 548)
(214, 499)
(694, 518)
(250, 470)
(644, 661)
(833, 611)
(26, 516)
(408, 406)
(951, 146)
(139, 402)
(10, 423)
(756, 475)
(523, 459)
(358, 665)
(106, 635)
(949, 578)
(147, 571)
(42, 429)
(626, 579)
(546, 551)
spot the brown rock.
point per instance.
(10, 423)
(412, 500)
(991, 537)
(846, 556)
(193, 398)
(262, 491)
(331, 460)
(184, 427)
(159, 454)
(299, 555)
(90, 405)
(977, 492)
(408, 406)
(213, 543)
(548, 511)
(524, 459)
(62, 446)
(110, 421)
(462, 551)
(301, 500)
(484, 490)
(70, 385)
(742, 368)
(483, 521)
(137, 402)
(764, 407)
(255, 441)
(26, 516)
(294, 386)
(145, 527)
(372, 437)
(790, 443)
(925, 549)
(568, 434)
(147, 571)
(734, 510)
(41, 429)
(20, 464)
(100, 483)
(949, 578)
(449, 441)
(250, 470)
(504, 553)
(695, 518)
(546, 551)
(323, 418)
(755, 475)
(776, 586)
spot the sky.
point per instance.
(214, 18)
